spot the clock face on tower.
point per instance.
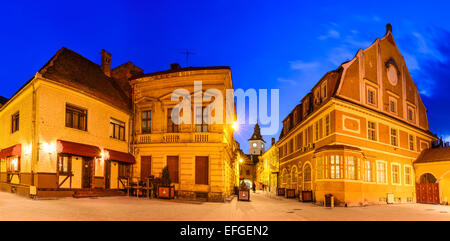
(254, 144)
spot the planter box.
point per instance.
(290, 193)
(166, 192)
(244, 195)
(281, 191)
(307, 196)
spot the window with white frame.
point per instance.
(392, 105)
(335, 168)
(371, 96)
(411, 142)
(410, 113)
(368, 171)
(395, 169)
(351, 167)
(394, 137)
(316, 131)
(408, 174)
(381, 172)
(371, 131)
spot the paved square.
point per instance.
(262, 207)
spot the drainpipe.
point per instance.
(34, 141)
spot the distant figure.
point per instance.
(254, 187)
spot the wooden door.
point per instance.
(146, 166)
(172, 163)
(87, 172)
(201, 170)
(107, 174)
(427, 193)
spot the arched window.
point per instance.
(307, 173)
(294, 177)
(307, 177)
(427, 178)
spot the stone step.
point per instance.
(98, 193)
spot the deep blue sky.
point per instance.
(287, 45)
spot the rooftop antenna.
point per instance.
(187, 53)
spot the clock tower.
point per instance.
(256, 142)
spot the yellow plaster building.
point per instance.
(358, 132)
(67, 129)
(200, 157)
(267, 169)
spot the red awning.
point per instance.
(77, 149)
(119, 156)
(15, 150)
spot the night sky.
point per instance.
(286, 45)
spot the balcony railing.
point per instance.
(183, 137)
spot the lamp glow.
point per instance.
(235, 126)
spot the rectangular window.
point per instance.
(202, 118)
(394, 137)
(146, 122)
(408, 171)
(368, 171)
(201, 170)
(411, 142)
(316, 131)
(172, 127)
(117, 129)
(371, 96)
(327, 125)
(351, 168)
(395, 173)
(371, 131)
(410, 114)
(393, 105)
(15, 122)
(64, 165)
(172, 164)
(320, 168)
(76, 118)
(335, 167)
(291, 146)
(13, 164)
(124, 170)
(324, 90)
(381, 172)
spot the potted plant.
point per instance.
(244, 192)
(165, 190)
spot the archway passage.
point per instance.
(427, 191)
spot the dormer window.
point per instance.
(324, 90)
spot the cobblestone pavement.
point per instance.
(261, 207)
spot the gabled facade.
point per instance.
(358, 131)
(66, 130)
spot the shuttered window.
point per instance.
(201, 170)
(172, 163)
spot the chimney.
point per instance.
(106, 63)
(175, 66)
(388, 28)
(273, 141)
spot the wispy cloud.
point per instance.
(334, 34)
(301, 65)
(287, 81)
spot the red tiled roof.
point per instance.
(71, 69)
(434, 155)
